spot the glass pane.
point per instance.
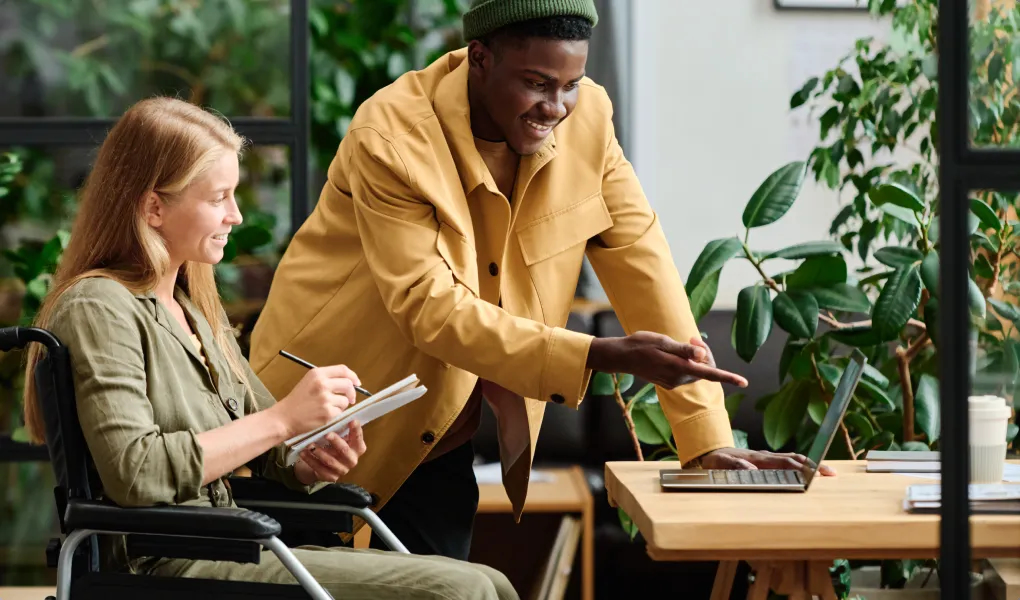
(28, 519)
(994, 108)
(40, 203)
(94, 58)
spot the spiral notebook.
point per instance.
(383, 402)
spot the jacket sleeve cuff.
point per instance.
(702, 433)
(565, 376)
(185, 458)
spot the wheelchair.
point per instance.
(270, 515)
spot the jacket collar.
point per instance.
(198, 324)
(453, 110)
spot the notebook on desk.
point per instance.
(775, 480)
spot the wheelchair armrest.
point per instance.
(190, 521)
(255, 489)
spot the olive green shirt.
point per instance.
(144, 393)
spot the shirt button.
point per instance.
(493, 269)
(232, 403)
(558, 399)
(428, 437)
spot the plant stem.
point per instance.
(903, 358)
(771, 283)
(825, 395)
(821, 315)
(839, 325)
(626, 417)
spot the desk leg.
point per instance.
(819, 581)
(759, 590)
(588, 553)
(724, 579)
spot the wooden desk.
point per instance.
(567, 493)
(792, 536)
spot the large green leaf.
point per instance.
(791, 349)
(645, 394)
(775, 196)
(902, 214)
(859, 336)
(897, 302)
(740, 439)
(754, 320)
(897, 195)
(650, 423)
(628, 524)
(785, 413)
(841, 297)
(818, 271)
(914, 446)
(1006, 310)
(712, 258)
(877, 393)
(931, 320)
(898, 256)
(797, 313)
(733, 404)
(602, 385)
(808, 249)
(625, 380)
(985, 214)
(859, 424)
(875, 376)
(926, 407)
(703, 296)
(816, 409)
(930, 273)
(976, 299)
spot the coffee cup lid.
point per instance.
(986, 402)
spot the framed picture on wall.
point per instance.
(826, 4)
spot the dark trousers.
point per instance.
(433, 512)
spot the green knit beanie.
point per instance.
(486, 16)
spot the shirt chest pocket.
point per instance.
(458, 253)
(564, 230)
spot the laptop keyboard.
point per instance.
(760, 477)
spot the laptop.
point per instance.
(775, 480)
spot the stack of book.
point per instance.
(986, 498)
(903, 461)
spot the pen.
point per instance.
(305, 363)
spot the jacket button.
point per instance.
(558, 399)
(428, 437)
(493, 269)
(232, 403)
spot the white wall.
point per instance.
(711, 91)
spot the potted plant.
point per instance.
(879, 100)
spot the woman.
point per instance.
(167, 403)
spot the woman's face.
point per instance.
(195, 226)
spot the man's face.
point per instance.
(528, 86)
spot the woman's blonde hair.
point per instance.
(159, 145)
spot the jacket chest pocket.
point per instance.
(569, 228)
(553, 249)
(458, 253)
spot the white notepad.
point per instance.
(387, 400)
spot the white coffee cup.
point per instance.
(989, 416)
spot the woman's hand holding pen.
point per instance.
(321, 396)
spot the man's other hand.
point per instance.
(739, 459)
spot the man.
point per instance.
(448, 241)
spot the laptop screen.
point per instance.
(840, 400)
